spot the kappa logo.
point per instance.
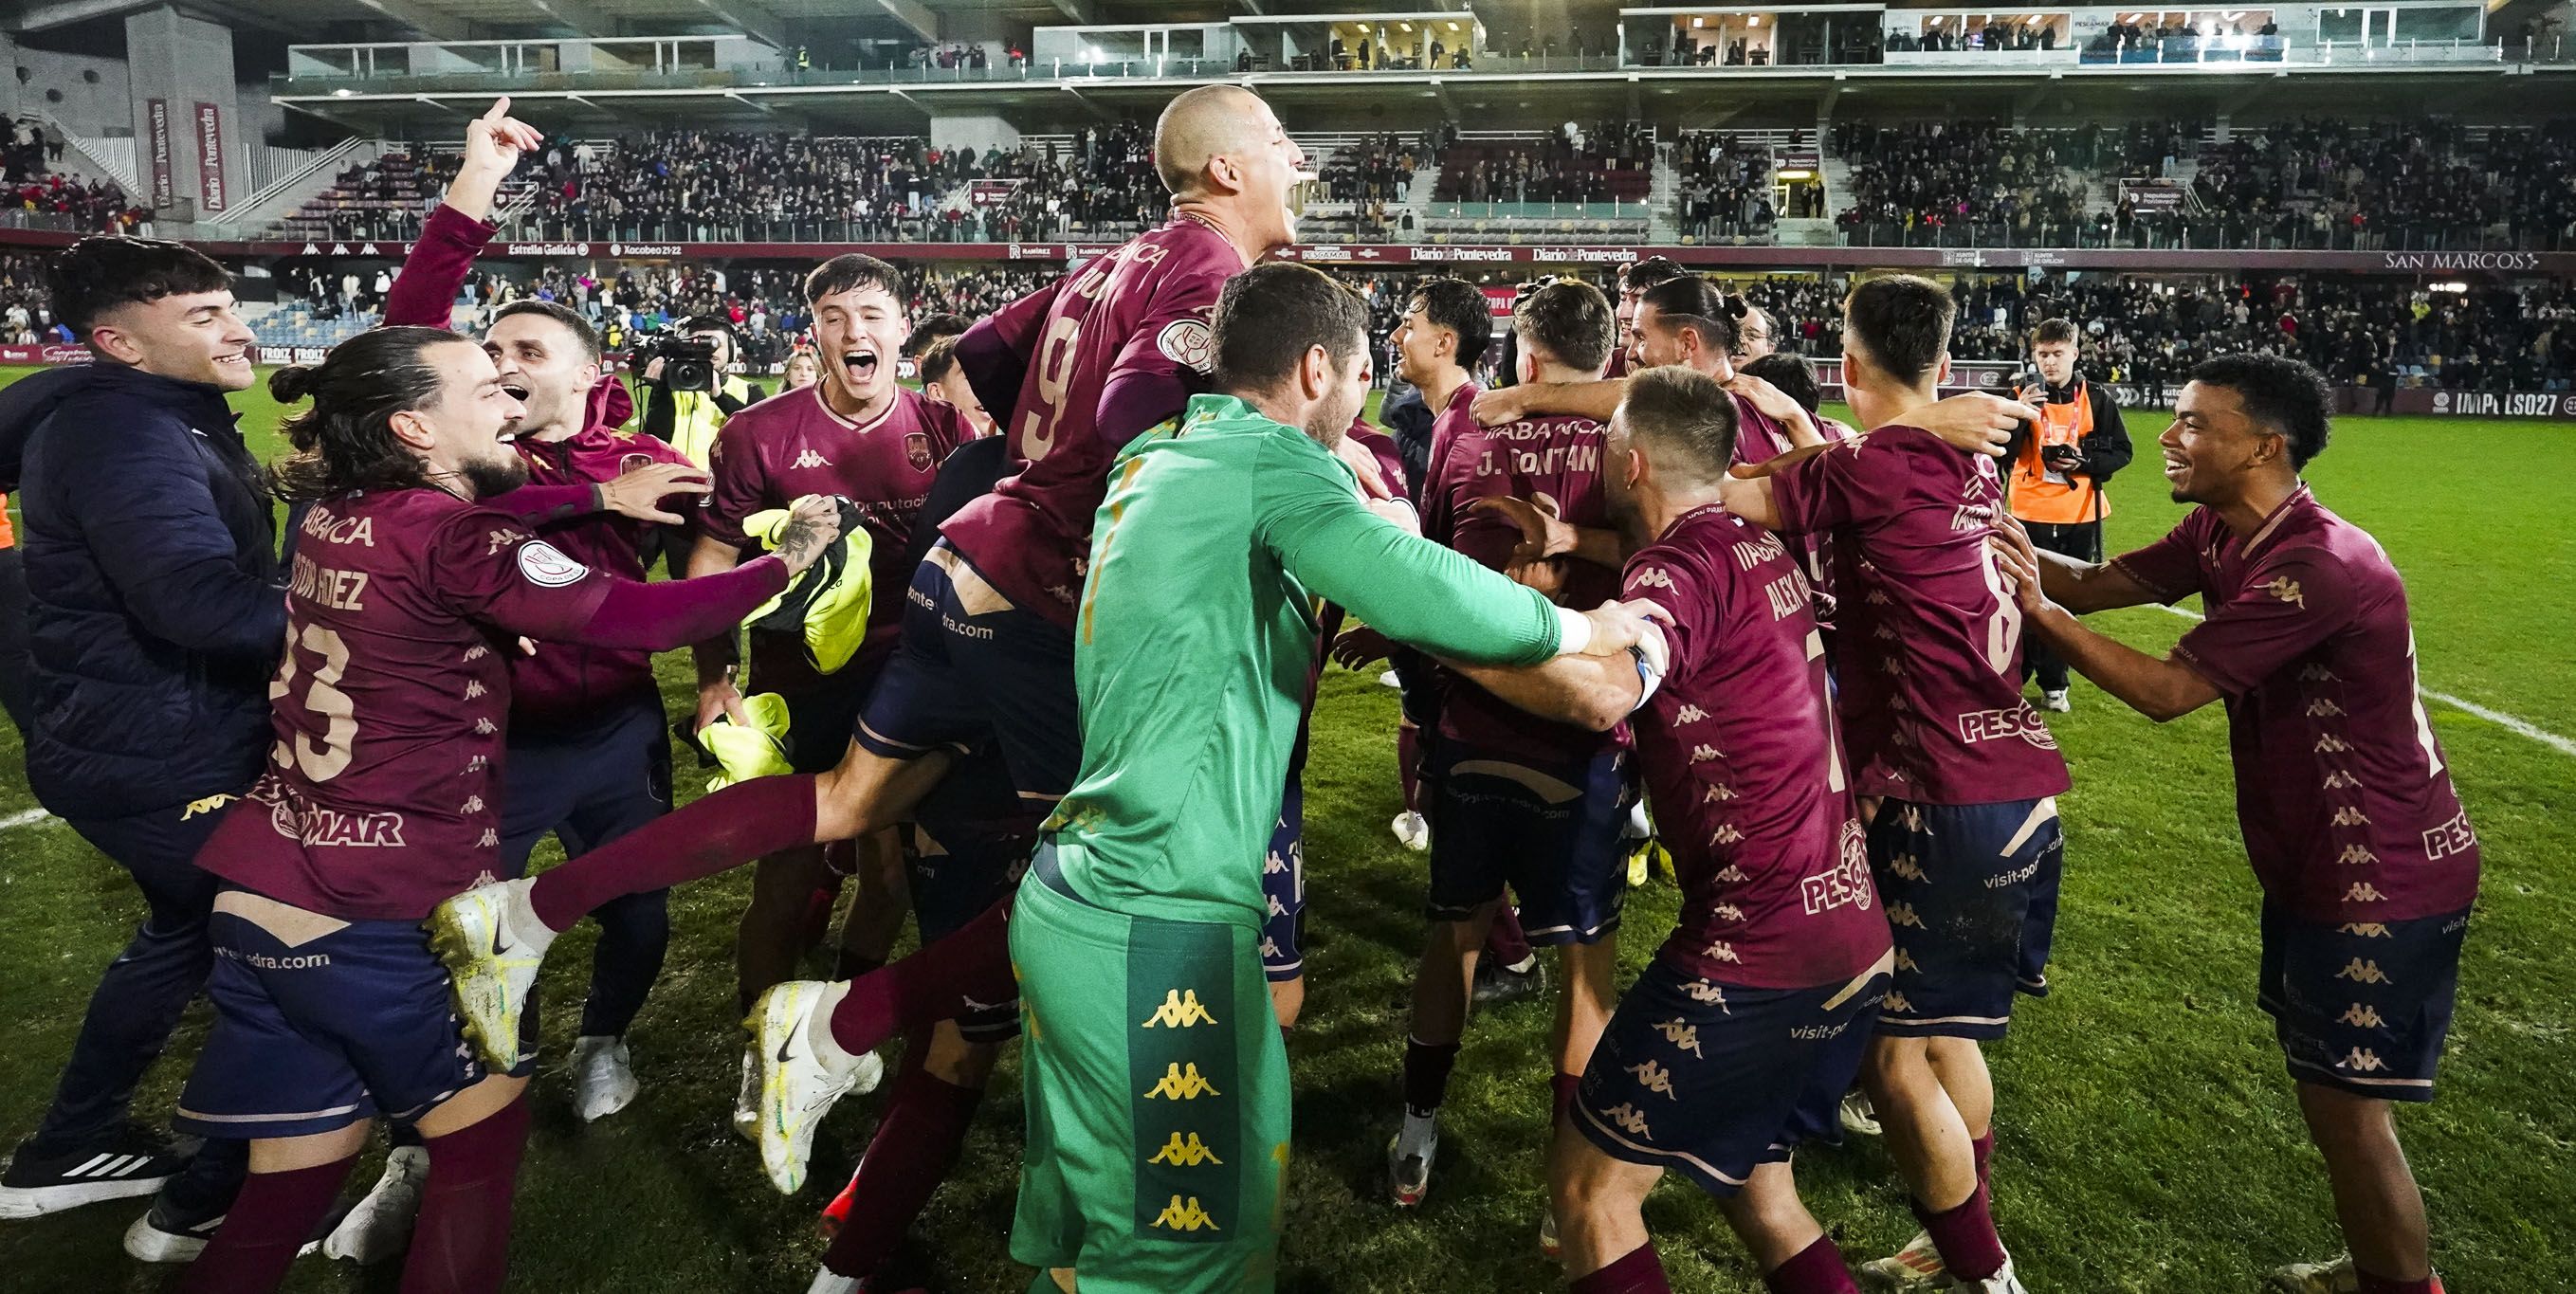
(2361, 1015)
(1655, 1078)
(1185, 1154)
(2362, 971)
(1269, 948)
(1180, 1010)
(2317, 674)
(2284, 589)
(478, 764)
(810, 459)
(2357, 854)
(484, 727)
(1727, 912)
(1275, 909)
(1689, 714)
(490, 839)
(1707, 994)
(1904, 867)
(1651, 577)
(1273, 864)
(1630, 1119)
(2330, 744)
(2348, 816)
(2340, 780)
(2366, 930)
(1883, 633)
(2363, 1060)
(1721, 951)
(1181, 1084)
(2322, 708)
(1896, 1005)
(1905, 962)
(1726, 834)
(1703, 754)
(2363, 892)
(1891, 666)
(474, 688)
(473, 804)
(1732, 875)
(476, 652)
(1911, 818)
(1878, 598)
(502, 539)
(1902, 914)
(1179, 1216)
(1717, 795)
(1682, 1035)
(207, 804)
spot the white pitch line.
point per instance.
(2509, 723)
(22, 819)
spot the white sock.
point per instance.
(524, 921)
(1420, 1133)
(818, 1030)
(1525, 965)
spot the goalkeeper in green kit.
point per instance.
(1156, 1079)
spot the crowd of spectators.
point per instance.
(2411, 184)
(2147, 332)
(1723, 186)
(1569, 164)
(1914, 181)
(29, 184)
(2038, 33)
(2171, 41)
(26, 314)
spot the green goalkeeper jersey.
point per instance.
(1220, 539)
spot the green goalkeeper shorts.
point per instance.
(1156, 1085)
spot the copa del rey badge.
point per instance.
(546, 566)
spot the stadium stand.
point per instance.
(1723, 187)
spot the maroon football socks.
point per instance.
(721, 831)
(942, 981)
(1965, 1237)
(1637, 1271)
(462, 1244)
(270, 1220)
(915, 1147)
(1816, 1269)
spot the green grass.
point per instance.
(2148, 1139)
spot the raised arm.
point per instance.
(424, 293)
(2080, 587)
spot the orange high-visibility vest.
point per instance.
(2038, 494)
(8, 537)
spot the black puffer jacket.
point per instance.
(156, 608)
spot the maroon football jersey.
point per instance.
(1135, 320)
(2341, 789)
(792, 445)
(1740, 758)
(1439, 522)
(1558, 458)
(565, 684)
(1929, 650)
(390, 707)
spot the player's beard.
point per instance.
(494, 477)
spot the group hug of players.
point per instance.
(1081, 699)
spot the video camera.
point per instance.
(688, 362)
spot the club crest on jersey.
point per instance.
(1187, 342)
(634, 463)
(545, 565)
(916, 450)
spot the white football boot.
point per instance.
(492, 945)
(802, 1073)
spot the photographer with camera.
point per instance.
(2059, 466)
(690, 387)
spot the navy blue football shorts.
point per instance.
(976, 671)
(2362, 1007)
(320, 1023)
(1550, 833)
(1971, 897)
(1713, 1080)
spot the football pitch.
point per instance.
(2147, 1139)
